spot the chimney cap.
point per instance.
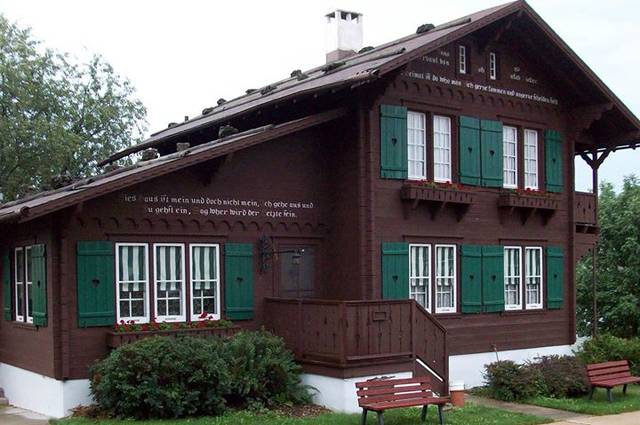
(343, 13)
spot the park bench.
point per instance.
(378, 395)
(609, 375)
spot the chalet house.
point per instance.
(404, 209)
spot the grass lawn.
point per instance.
(598, 406)
(469, 415)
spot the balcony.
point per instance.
(348, 338)
(437, 197)
(585, 213)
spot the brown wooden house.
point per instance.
(404, 209)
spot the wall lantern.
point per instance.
(265, 247)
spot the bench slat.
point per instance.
(395, 397)
(376, 407)
(393, 390)
(607, 364)
(393, 382)
(610, 383)
(611, 377)
(603, 372)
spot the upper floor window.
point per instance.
(493, 66)
(441, 148)
(420, 275)
(510, 156)
(417, 145)
(445, 279)
(530, 159)
(132, 281)
(462, 59)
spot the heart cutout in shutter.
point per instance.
(492, 152)
(470, 149)
(394, 141)
(239, 279)
(493, 277)
(395, 277)
(95, 283)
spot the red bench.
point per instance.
(609, 375)
(378, 395)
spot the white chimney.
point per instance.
(343, 34)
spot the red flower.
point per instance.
(203, 315)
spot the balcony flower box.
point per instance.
(117, 338)
(437, 196)
(528, 203)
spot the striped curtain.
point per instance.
(168, 267)
(203, 267)
(132, 267)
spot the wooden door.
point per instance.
(297, 272)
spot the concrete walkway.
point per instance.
(561, 417)
(10, 415)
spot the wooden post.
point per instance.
(594, 258)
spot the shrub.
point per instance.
(564, 376)
(509, 381)
(606, 348)
(263, 372)
(162, 377)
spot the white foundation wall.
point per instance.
(42, 394)
(468, 368)
(338, 394)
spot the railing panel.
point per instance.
(585, 208)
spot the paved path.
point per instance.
(10, 415)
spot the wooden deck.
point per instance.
(353, 338)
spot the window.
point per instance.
(442, 148)
(19, 284)
(420, 274)
(28, 283)
(462, 59)
(512, 278)
(510, 155)
(205, 281)
(132, 282)
(169, 281)
(533, 277)
(445, 279)
(417, 145)
(493, 66)
(531, 159)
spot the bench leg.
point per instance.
(440, 415)
(423, 415)
(624, 389)
(593, 390)
(363, 421)
(609, 395)
(380, 418)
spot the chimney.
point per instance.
(343, 34)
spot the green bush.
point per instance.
(509, 381)
(263, 372)
(606, 348)
(564, 376)
(162, 377)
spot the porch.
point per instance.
(346, 339)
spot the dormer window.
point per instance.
(462, 59)
(493, 66)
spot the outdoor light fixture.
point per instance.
(267, 252)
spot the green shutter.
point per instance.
(553, 160)
(469, 143)
(555, 273)
(238, 270)
(471, 280)
(6, 287)
(493, 278)
(491, 153)
(395, 270)
(39, 287)
(95, 261)
(393, 142)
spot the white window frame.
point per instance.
(454, 283)
(196, 317)
(164, 318)
(28, 284)
(506, 156)
(445, 150)
(493, 66)
(16, 282)
(427, 277)
(519, 276)
(421, 134)
(462, 59)
(136, 319)
(531, 162)
(537, 306)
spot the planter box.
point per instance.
(518, 200)
(116, 339)
(436, 199)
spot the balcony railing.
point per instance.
(585, 209)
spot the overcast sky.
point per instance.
(184, 55)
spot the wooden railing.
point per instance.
(347, 334)
(585, 208)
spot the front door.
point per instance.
(297, 271)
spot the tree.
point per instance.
(58, 118)
(618, 267)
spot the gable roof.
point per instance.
(371, 65)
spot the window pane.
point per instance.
(512, 278)
(204, 280)
(533, 277)
(416, 145)
(510, 156)
(419, 274)
(169, 281)
(445, 279)
(132, 282)
(531, 159)
(442, 148)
